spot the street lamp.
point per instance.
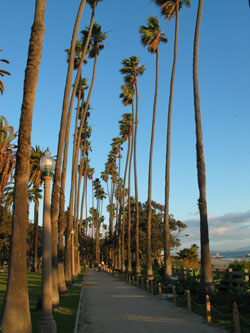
(47, 323)
(72, 253)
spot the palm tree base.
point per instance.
(46, 325)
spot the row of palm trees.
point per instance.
(16, 299)
(151, 37)
(92, 42)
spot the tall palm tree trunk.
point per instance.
(35, 236)
(137, 221)
(16, 303)
(167, 259)
(57, 176)
(129, 201)
(206, 267)
(77, 211)
(61, 220)
(62, 224)
(84, 194)
(117, 232)
(149, 254)
(123, 208)
(75, 227)
(68, 273)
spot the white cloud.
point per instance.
(229, 231)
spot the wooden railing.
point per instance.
(229, 278)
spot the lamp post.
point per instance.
(47, 323)
(72, 254)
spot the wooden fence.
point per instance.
(229, 278)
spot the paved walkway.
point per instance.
(110, 305)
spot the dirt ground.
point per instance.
(111, 305)
(220, 263)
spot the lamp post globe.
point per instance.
(47, 324)
(47, 164)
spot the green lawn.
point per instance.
(64, 317)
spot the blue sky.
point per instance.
(224, 79)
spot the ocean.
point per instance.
(232, 255)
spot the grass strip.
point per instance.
(65, 316)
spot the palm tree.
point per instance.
(84, 191)
(95, 45)
(131, 69)
(60, 148)
(3, 73)
(169, 9)
(99, 195)
(7, 153)
(206, 267)
(111, 170)
(127, 96)
(37, 180)
(16, 304)
(9, 195)
(78, 54)
(80, 92)
(126, 126)
(151, 36)
(85, 147)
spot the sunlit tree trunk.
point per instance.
(35, 235)
(167, 259)
(149, 255)
(68, 273)
(60, 148)
(129, 268)
(206, 267)
(16, 303)
(137, 222)
(123, 208)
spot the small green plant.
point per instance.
(240, 266)
(241, 295)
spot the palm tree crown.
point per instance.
(2, 73)
(131, 69)
(35, 170)
(126, 125)
(96, 40)
(151, 35)
(127, 94)
(168, 7)
(7, 153)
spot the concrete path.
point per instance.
(110, 305)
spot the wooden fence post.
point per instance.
(208, 306)
(174, 295)
(147, 286)
(152, 287)
(159, 288)
(189, 305)
(142, 283)
(184, 273)
(246, 278)
(133, 280)
(230, 277)
(236, 318)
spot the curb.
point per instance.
(78, 311)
